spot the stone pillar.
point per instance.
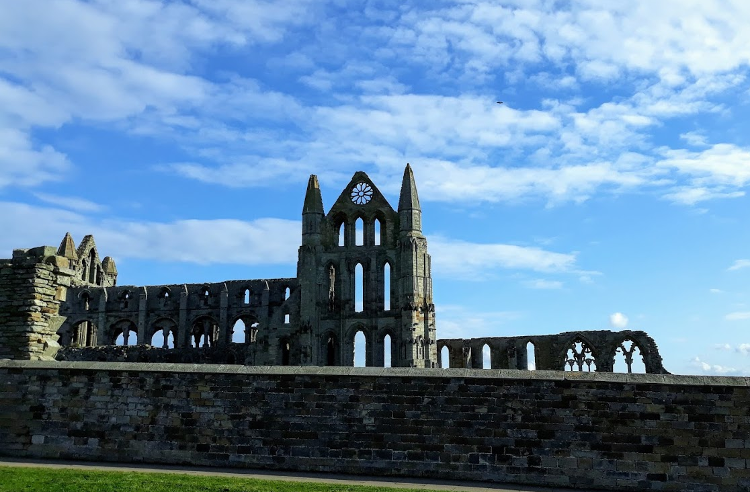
(183, 329)
(142, 309)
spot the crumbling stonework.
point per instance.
(309, 320)
(68, 297)
(577, 350)
(33, 285)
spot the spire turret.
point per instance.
(409, 211)
(67, 248)
(313, 199)
(312, 212)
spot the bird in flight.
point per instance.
(499, 102)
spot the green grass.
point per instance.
(22, 479)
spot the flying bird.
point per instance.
(499, 102)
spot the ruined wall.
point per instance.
(187, 316)
(611, 431)
(575, 350)
(31, 286)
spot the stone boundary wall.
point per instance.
(585, 430)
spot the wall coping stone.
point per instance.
(375, 372)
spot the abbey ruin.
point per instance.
(231, 374)
(68, 298)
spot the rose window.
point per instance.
(361, 193)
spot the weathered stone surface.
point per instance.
(619, 432)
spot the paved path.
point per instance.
(400, 482)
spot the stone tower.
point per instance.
(364, 267)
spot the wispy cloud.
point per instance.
(737, 316)
(544, 284)
(70, 203)
(707, 368)
(473, 261)
(738, 264)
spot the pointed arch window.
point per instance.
(359, 287)
(378, 233)
(359, 232)
(387, 286)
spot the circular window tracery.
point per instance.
(361, 193)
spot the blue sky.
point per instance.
(609, 190)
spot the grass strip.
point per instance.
(25, 479)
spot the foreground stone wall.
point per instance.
(586, 430)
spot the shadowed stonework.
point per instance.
(363, 269)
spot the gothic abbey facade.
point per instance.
(363, 267)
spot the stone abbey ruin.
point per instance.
(92, 370)
(67, 297)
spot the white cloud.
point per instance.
(543, 284)
(473, 261)
(618, 320)
(70, 203)
(221, 241)
(459, 322)
(712, 368)
(691, 196)
(737, 316)
(24, 164)
(723, 346)
(716, 291)
(738, 264)
(744, 348)
(694, 138)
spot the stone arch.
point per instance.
(165, 297)
(379, 225)
(285, 351)
(330, 349)
(333, 285)
(125, 328)
(126, 299)
(530, 355)
(386, 271)
(251, 326)
(629, 352)
(340, 228)
(86, 299)
(351, 333)
(444, 354)
(360, 230)
(80, 332)
(204, 331)
(579, 354)
(204, 295)
(162, 331)
(385, 349)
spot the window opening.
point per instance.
(359, 232)
(360, 349)
(286, 319)
(341, 234)
(387, 287)
(377, 233)
(530, 356)
(387, 351)
(285, 351)
(358, 288)
(247, 296)
(486, 357)
(287, 292)
(331, 351)
(238, 332)
(445, 357)
(628, 358)
(579, 357)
